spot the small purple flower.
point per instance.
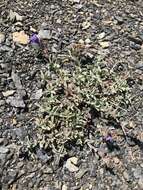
(108, 138)
(34, 39)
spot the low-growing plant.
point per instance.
(73, 99)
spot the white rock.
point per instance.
(86, 25)
(64, 187)
(81, 41)
(71, 164)
(8, 93)
(102, 35)
(13, 15)
(87, 41)
(104, 44)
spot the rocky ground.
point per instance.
(105, 29)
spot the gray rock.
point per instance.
(137, 173)
(126, 175)
(16, 102)
(18, 84)
(1, 140)
(44, 34)
(136, 40)
(119, 19)
(20, 132)
(16, 80)
(2, 37)
(44, 26)
(135, 46)
(139, 66)
(2, 102)
(3, 150)
(42, 155)
(12, 175)
(81, 173)
(37, 95)
(5, 48)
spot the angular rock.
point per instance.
(15, 16)
(16, 102)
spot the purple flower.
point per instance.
(108, 138)
(34, 39)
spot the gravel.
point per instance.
(111, 31)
